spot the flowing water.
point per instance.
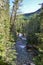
(23, 57)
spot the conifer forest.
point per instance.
(21, 34)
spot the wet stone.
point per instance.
(23, 56)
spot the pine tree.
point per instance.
(15, 8)
(2, 32)
(6, 45)
(41, 18)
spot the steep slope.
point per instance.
(28, 15)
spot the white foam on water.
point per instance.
(24, 64)
(22, 46)
(32, 64)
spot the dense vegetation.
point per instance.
(32, 27)
(11, 24)
(7, 54)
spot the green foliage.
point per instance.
(4, 63)
(20, 24)
(34, 34)
(6, 51)
(15, 10)
(33, 25)
(32, 39)
(38, 60)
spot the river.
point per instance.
(23, 57)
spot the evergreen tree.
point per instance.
(2, 32)
(15, 8)
(41, 18)
(6, 52)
